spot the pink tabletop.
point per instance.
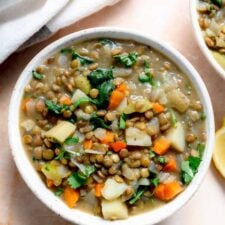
(167, 20)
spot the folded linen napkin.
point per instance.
(25, 22)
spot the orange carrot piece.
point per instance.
(161, 146)
(71, 196)
(115, 99)
(158, 108)
(122, 87)
(168, 191)
(98, 189)
(118, 145)
(88, 144)
(109, 138)
(24, 103)
(65, 100)
(50, 183)
(171, 165)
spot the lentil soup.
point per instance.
(113, 127)
(211, 21)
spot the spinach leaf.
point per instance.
(37, 76)
(189, 168)
(81, 101)
(56, 108)
(105, 90)
(146, 77)
(83, 60)
(100, 75)
(137, 195)
(59, 191)
(71, 140)
(105, 41)
(127, 60)
(66, 51)
(77, 179)
(98, 122)
(219, 3)
(123, 118)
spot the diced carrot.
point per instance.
(167, 191)
(122, 87)
(161, 145)
(24, 103)
(65, 100)
(88, 144)
(98, 189)
(50, 183)
(71, 196)
(171, 165)
(118, 145)
(109, 138)
(158, 108)
(115, 99)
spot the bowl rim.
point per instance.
(31, 177)
(198, 35)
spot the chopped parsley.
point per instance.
(127, 60)
(98, 121)
(105, 41)
(71, 140)
(189, 168)
(83, 60)
(137, 195)
(155, 181)
(55, 108)
(146, 77)
(59, 191)
(122, 122)
(37, 76)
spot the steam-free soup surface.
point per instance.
(113, 127)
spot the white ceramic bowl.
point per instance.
(32, 178)
(200, 39)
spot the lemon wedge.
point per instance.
(219, 150)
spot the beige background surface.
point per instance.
(167, 19)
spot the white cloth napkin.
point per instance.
(25, 22)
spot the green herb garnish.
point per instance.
(173, 118)
(81, 101)
(55, 108)
(105, 41)
(61, 154)
(162, 159)
(202, 116)
(200, 148)
(146, 77)
(127, 60)
(122, 123)
(137, 195)
(151, 154)
(77, 179)
(219, 3)
(155, 181)
(189, 168)
(99, 76)
(98, 122)
(59, 191)
(83, 60)
(71, 140)
(37, 76)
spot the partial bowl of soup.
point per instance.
(208, 18)
(109, 126)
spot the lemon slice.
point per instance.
(219, 151)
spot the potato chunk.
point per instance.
(83, 84)
(137, 137)
(61, 131)
(176, 136)
(112, 189)
(178, 100)
(114, 210)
